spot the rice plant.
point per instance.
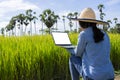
(115, 50)
(37, 57)
(32, 58)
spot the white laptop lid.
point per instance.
(61, 38)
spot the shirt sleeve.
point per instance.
(79, 50)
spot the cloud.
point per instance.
(113, 2)
(13, 6)
(8, 6)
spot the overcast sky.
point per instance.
(10, 8)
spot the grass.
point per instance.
(37, 58)
(32, 58)
(115, 50)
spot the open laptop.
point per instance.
(62, 39)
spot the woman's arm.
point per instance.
(80, 45)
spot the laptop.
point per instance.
(62, 39)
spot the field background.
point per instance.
(37, 58)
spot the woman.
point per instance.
(91, 57)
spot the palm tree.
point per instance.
(117, 27)
(116, 20)
(19, 29)
(20, 19)
(110, 22)
(69, 16)
(49, 18)
(100, 8)
(102, 16)
(41, 19)
(2, 31)
(64, 21)
(26, 24)
(9, 27)
(76, 14)
(11, 24)
(35, 18)
(30, 18)
(56, 20)
(71, 25)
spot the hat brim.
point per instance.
(90, 20)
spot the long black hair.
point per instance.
(97, 33)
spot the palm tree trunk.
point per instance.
(70, 29)
(35, 26)
(21, 30)
(9, 33)
(42, 28)
(76, 26)
(25, 29)
(12, 33)
(64, 25)
(49, 30)
(15, 31)
(56, 26)
(31, 28)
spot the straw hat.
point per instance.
(88, 15)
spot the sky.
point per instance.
(10, 8)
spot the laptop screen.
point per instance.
(61, 38)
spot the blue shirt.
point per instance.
(96, 62)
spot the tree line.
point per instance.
(113, 29)
(49, 18)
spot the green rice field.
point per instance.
(37, 58)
